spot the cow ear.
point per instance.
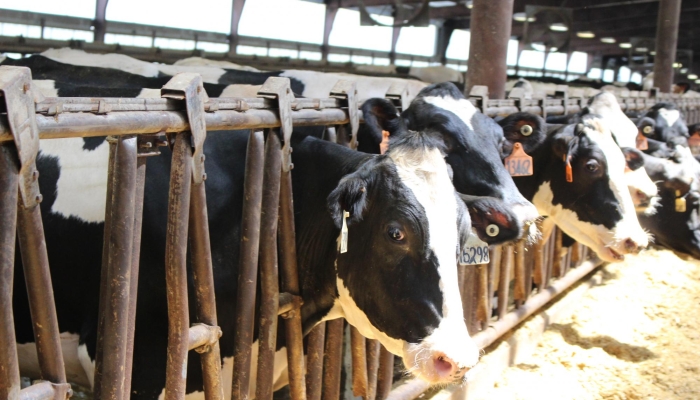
(633, 157)
(380, 115)
(530, 130)
(564, 144)
(350, 195)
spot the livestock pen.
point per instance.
(534, 273)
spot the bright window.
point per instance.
(608, 75)
(417, 40)
(293, 20)
(347, 32)
(531, 59)
(624, 75)
(73, 8)
(578, 62)
(595, 73)
(556, 62)
(458, 48)
(202, 15)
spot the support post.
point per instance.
(490, 32)
(331, 11)
(236, 11)
(100, 23)
(394, 39)
(442, 40)
(666, 42)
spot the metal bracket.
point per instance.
(347, 90)
(481, 94)
(148, 144)
(280, 89)
(188, 86)
(517, 95)
(398, 95)
(16, 87)
(289, 304)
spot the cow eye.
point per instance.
(592, 165)
(395, 234)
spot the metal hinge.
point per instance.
(347, 91)
(280, 89)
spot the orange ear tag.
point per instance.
(694, 140)
(642, 143)
(518, 163)
(569, 171)
(384, 145)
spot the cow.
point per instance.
(664, 124)
(472, 142)
(397, 282)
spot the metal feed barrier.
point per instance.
(181, 119)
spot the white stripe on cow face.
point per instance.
(606, 106)
(670, 116)
(462, 108)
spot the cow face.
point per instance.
(472, 142)
(397, 282)
(668, 123)
(595, 208)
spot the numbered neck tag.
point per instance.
(518, 163)
(680, 202)
(569, 170)
(344, 234)
(642, 142)
(694, 140)
(475, 252)
(384, 145)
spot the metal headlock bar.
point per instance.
(137, 127)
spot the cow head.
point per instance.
(472, 146)
(397, 282)
(595, 207)
(668, 124)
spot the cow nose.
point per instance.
(446, 368)
(632, 247)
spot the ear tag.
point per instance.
(642, 142)
(694, 140)
(569, 170)
(344, 234)
(680, 202)
(648, 130)
(518, 163)
(475, 251)
(384, 145)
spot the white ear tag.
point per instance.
(475, 251)
(344, 234)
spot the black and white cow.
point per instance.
(595, 207)
(667, 125)
(473, 146)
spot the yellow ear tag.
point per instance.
(344, 234)
(680, 202)
(384, 145)
(518, 163)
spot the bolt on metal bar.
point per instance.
(202, 273)
(176, 267)
(504, 281)
(373, 351)
(248, 264)
(119, 262)
(385, 374)
(359, 363)
(269, 275)
(9, 183)
(332, 359)
(315, 341)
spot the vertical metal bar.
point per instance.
(203, 276)
(359, 363)
(119, 260)
(529, 264)
(575, 252)
(494, 265)
(557, 267)
(551, 256)
(100, 21)
(248, 265)
(666, 43)
(269, 277)
(290, 284)
(315, 341)
(472, 299)
(133, 285)
(176, 267)
(332, 359)
(504, 282)
(9, 186)
(385, 376)
(538, 264)
(482, 308)
(373, 351)
(490, 31)
(519, 272)
(236, 12)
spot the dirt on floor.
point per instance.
(635, 336)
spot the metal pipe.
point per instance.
(290, 284)
(359, 363)
(519, 272)
(119, 261)
(557, 263)
(176, 267)
(472, 299)
(332, 359)
(504, 281)
(9, 185)
(315, 341)
(201, 337)
(490, 31)
(373, 350)
(248, 265)
(482, 306)
(37, 275)
(494, 265)
(269, 276)
(666, 43)
(385, 375)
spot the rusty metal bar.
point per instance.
(575, 254)
(551, 251)
(9, 184)
(519, 272)
(494, 265)
(373, 350)
(119, 261)
(32, 244)
(666, 43)
(248, 265)
(482, 306)
(557, 267)
(290, 284)
(359, 363)
(269, 277)
(315, 341)
(504, 281)
(332, 359)
(134, 284)
(385, 375)
(471, 299)
(176, 267)
(538, 264)
(201, 337)
(529, 265)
